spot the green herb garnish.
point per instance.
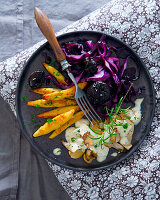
(52, 63)
(24, 98)
(26, 85)
(125, 126)
(73, 139)
(49, 120)
(37, 105)
(50, 103)
(58, 74)
(114, 114)
(32, 118)
(37, 125)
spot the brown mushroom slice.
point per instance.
(117, 138)
(113, 138)
(115, 145)
(89, 155)
(118, 146)
(77, 154)
(87, 139)
(125, 143)
(96, 127)
(65, 144)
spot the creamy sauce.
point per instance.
(114, 154)
(135, 113)
(57, 151)
(101, 153)
(80, 122)
(77, 133)
(74, 134)
(123, 130)
(70, 133)
(124, 141)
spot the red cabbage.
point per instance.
(100, 76)
(109, 68)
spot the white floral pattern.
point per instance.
(137, 23)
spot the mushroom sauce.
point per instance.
(74, 135)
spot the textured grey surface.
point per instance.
(18, 29)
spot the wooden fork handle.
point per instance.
(47, 30)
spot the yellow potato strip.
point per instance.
(54, 72)
(47, 104)
(74, 119)
(58, 111)
(54, 123)
(45, 90)
(68, 93)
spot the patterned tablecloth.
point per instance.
(137, 23)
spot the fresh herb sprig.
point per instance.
(115, 113)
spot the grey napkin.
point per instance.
(24, 175)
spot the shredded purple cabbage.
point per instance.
(109, 68)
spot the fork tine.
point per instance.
(85, 111)
(80, 105)
(90, 111)
(83, 108)
(96, 116)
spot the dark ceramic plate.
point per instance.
(45, 146)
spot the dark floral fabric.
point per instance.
(137, 23)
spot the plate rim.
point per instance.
(39, 150)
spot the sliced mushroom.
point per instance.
(107, 120)
(77, 154)
(125, 142)
(115, 145)
(96, 127)
(89, 155)
(87, 139)
(65, 144)
(117, 138)
(113, 138)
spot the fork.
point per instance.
(46, 28)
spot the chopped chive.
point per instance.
(50, 103)
(26, 85)
(37, 125)
(49, 120)
(24, 98)
(58, 74)
(37, 105)
(125, 126)
(32, 118)
(73, 139)
(55, 97)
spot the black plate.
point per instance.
(45, 146)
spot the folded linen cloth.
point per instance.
(137, 24)
(23, 173)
